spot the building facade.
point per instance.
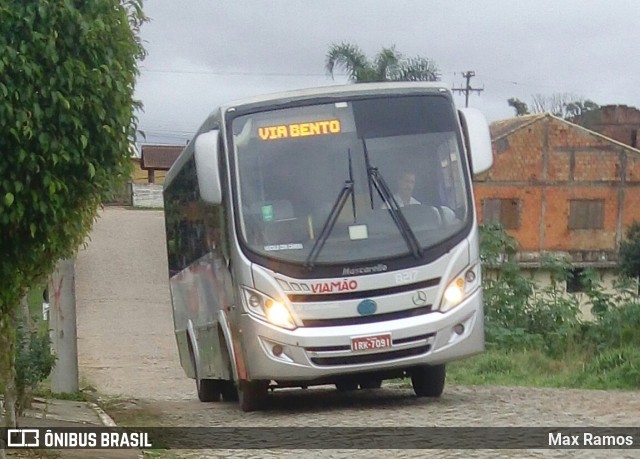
(561, 189)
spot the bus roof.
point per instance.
(337, 90)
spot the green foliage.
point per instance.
(519, 106)
(387, 65)
(34, 361)
(630, 251)
(68, 75)
(616, 321)
(68, 117)
(617, 368)
(526, 318)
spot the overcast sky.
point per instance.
(202, 53)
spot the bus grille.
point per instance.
(370, 358)
(336, 322)
(342, 355)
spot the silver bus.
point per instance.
(327, 236)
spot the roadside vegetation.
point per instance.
(538, 336)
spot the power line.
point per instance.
(466, 90)
(236, 73)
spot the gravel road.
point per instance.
(127, 348)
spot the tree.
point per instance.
(68, 117)
(387, 65)
(519, 106)
(580, 107)
(564, 105)
(630, 252)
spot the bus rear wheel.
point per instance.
(428, 380)
(252, 395)
(347, 385)
(229, 392)
(371, 384)
(208, 390)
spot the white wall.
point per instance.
(147, 195)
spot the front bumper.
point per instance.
(311, 353)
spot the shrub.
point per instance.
(34, 361)
(617, 368)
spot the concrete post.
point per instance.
(62, 325)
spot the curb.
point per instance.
(104, 417)
(108, 421)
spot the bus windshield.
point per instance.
(352, 181)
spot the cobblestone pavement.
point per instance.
(127, 348)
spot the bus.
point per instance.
(295, 258)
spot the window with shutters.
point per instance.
(503, 211)
(586, 214)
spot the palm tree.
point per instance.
(387, 65)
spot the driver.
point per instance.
(404, 190)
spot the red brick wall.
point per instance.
(558, 236)
(522, 160)
(631, 208)
(618, 122)
(528, 235)
(550, 162)
(633, 167)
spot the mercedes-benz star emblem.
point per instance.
(419, 298)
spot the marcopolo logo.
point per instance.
(379, 268)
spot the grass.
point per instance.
(35, 300)
(130, 413)
(614, 369)
(517, 368)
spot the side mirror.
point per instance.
(477, 139)
(206, 157)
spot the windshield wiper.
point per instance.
(329, 223)
(375, 178)
(333, 215)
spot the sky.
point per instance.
(204, 53)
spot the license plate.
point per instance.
(366, 343)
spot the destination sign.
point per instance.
(313, 128)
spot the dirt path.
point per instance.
(126, 344)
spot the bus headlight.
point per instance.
(274, 312)
(460, 288)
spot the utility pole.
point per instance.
(468, 75)
(62, 323)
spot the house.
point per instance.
(156, 160)
(562, 189)
(618, 122)
(149, 171)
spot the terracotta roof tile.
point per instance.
(503, 127)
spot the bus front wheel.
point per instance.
(252, 395)
(428, 380)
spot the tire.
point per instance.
(229, 392)
(428, 381)
(347, 385)
(208, 389)
(371, 384)
(252, 395)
